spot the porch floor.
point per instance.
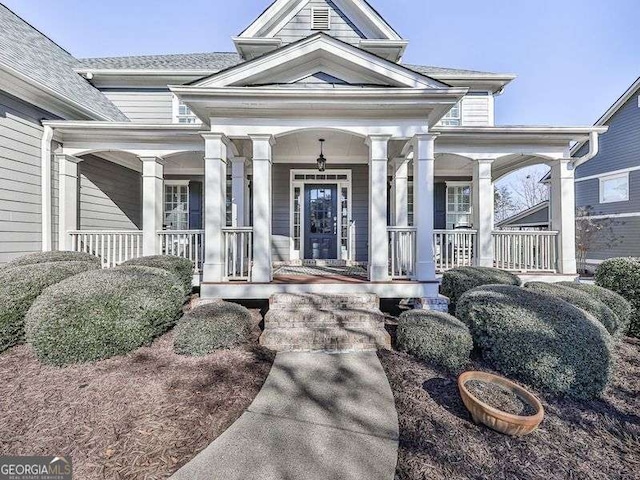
(305, 274)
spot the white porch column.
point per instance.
(423, 205)
(238, 191)
(400, 192)
(563, 213)
(215, 183)
(262, 208)
(378, 236)
(483, 211)
(67, 199)
(152, 204)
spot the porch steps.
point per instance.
(328, 323)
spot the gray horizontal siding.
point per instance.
(281, 228)
(20, 178)
(110, 196)
(300, 26)
(620, 146)
(144, 105)
(627, 233)
(588, 194)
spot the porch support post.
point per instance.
(152, 204)
(483, 215)
(378, 236)
(400, 192)
(238, 187)
(423, 205)
(262, 208)
(215, 184)
(563, 209)
(67, 199)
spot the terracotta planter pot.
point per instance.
(493, 418)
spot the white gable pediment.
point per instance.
(352, 21)
(320, 54)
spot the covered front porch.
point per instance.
(389, 213)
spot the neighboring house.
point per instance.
(218, 157)
(608, 187)
(534, 218)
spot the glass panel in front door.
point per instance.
(321, 222)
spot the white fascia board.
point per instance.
(34, 92)
(520, 132)
(324, 43)
(631, 91)
(267, 18)
(363, 16)
(144, 72)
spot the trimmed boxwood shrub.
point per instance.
(582, 300)
(615, 302)
(539, 339)
(435, 337)
(212, 327)
(19, 288)
(180, 267)
(103, 313)
(462, 279)
(50, 257)
(622, 276)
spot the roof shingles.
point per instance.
(26, 50)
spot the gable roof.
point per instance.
(624, 98)
(30, 55)
(521, 218)
(293, 53)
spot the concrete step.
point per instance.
(334, 339)
(288, 300)
(324, 323)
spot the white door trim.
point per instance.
(318, 180)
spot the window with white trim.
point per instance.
(176, 205)
(458, 205)
(320, 18)
(614, 188)
(182, 113)
(453, 118)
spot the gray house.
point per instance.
(608, 186)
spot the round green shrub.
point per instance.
(435, 337)
(582, 300)
(460, 280)
(539, 339)
(617, 303)
(622, 276)
(180, 267)
(212, 327)
(51, 257)
(103, 313)
(19, 288)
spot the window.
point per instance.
(182, 113)
(320, 19)
(176, 205)
(453, 118)
(614, 188)
(458, 206)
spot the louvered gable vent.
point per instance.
(320, 19)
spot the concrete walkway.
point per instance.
(318, 416)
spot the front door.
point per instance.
(321, 222)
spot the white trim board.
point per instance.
(608, 174)
(611, 215)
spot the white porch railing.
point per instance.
(454, 248)
(402, 252)
(113, 247)
(238, 251)
(525, 251)
(187, 244)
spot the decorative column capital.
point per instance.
(262, 146)
(424, 146)
(68, 158)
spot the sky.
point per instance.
(573, 58)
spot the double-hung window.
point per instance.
(614, 188)
(176, 205)
(182, 113)
(453, 118)
(458, 205)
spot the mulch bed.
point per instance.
(140, 416)
(597, 439)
